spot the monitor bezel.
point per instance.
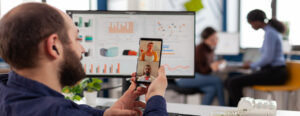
(71, 12)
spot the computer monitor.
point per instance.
(228, 44)
(251, 55)
(111, 40)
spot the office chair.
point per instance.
(185, 91)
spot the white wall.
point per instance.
(232, 16)
(7, 5)
(73, 4)
(118, 4)
(288, 11)
(251, 38)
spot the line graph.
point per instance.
(168, 67)
(169, 28)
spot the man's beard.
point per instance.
(71, 70)
(147, 73)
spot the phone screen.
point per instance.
(149, 59)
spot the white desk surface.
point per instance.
(202, 110)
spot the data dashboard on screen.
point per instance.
(111, 40)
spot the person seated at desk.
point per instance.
(40, 44)
(271, 64)
(146, 74)
(211, 85)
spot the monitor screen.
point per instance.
(228, 44)
(111, 40)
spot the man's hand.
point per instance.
(159, 85)
(126, 105)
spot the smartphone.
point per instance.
(149, 58)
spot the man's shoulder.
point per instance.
(43, 105)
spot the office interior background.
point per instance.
(228, 17)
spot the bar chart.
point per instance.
(102, 68)
(121, 27)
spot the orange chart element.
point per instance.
(91, 69)
(111, 68)
(104, 70)
(107, 68)
(175, 68)
(98, 69)
(118, 69)
(168, 53)
(120, 27)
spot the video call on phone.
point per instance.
(148, 59)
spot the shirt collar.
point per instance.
(267, 27)
(18, 81)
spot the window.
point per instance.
(73, 4)
(6, 5)
(118, 4)
(251, 38)
(287, 11)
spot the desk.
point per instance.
(207, 110)
(192, 109)
(236, 67)
(4, 70)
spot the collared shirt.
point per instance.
(20, 96)
(271, 51)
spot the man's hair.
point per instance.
(22, 30)
(147, 66)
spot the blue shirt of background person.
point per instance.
(271, 51)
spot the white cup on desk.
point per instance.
(222, 65)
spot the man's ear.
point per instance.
(53, 46)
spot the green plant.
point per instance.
(74, 93)
(91, 84)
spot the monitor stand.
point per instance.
(125, 85)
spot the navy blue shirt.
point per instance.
(20, 96)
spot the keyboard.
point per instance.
(170, 113)
(178, 114)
